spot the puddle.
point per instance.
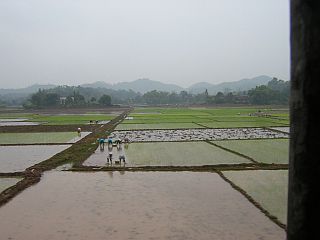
(18, 158)
(127, 205)
(6, 182)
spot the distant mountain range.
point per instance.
(145, 85)
(240, 85)
(140, 85)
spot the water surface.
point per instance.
(18, 158)
(127, 205)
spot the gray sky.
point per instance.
(173, 41)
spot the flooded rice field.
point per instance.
(180, 154)
(128, 205)
(99, 157)
(16, 122)
(197, 134)
(167, 154)
(41, 137)
(18, 158)
(268, 188)
(6, 182)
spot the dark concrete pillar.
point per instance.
(304, 165)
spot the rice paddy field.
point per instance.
(58, 118)
(262, 150)
(190, 173)
(159, 118)
(180, 154)
(269, 188)
(43, 137)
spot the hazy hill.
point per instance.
(241, 85)
(27, 90)
(18, 96)
(98, 84)
(146, 85)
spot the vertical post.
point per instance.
(304, 163)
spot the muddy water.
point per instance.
(99, 157)
(7, 182)
(18, 158)
(127, 205)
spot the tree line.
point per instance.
(275, 92)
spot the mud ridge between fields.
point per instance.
(77, 153)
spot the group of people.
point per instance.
(119, 145)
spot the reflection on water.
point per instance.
(99, 157)
(157, 205)
(18, 158)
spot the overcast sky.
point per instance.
(173, 41)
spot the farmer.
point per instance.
(126, 139)
(118, 142)
(101, 143)
(79, 132)
(110, 156)
(110, 141)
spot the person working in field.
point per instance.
(101, 143)
(109, 158)
(118, 142)
(110, 141)
(121, 154)
(79, 132)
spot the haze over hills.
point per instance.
(145, 85)
(241, 85)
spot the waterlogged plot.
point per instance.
(43, 137)
(99, 157)
(157, 126)
(262, 150)
(226, 124)
(6, 182)
(267, 187)
(180, 154)
(127, 205)
(16, 122)
(18, 158)
(65, 119)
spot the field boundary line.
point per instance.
(250, 199)
(232, 151)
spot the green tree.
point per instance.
(105, 100)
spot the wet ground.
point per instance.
(6, 182)
(18, 158)
(197, 134)
(126, 205)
